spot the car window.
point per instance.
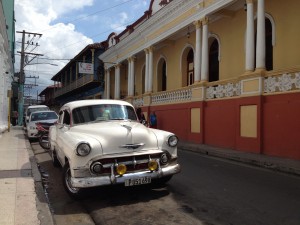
(31, 110)
(66, 118)
(93, 113)
(43, 116)
(61, 114)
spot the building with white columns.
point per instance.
(224, 73)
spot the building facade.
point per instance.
(70, 83)
(47, 97)
(7, 41)
(224, 73)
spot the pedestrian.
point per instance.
(15, 116)
(140, 115)
(153, 120)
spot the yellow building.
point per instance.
(220, 72)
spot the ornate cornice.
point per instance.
(163, 24)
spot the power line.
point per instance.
(99, 11)
(103, 10)
(66, 46)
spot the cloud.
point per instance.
(141, 4)
(64, 27)
(58, 41)
(121, 23)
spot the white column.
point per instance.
(261, 42)
(204, 59)
(197, 61)
(117, 81)
(146, 70)
(150, 76)
(132, 77)
(250, 37)
(129, 77)
(108, 83)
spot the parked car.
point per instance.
(39, 117)
(33, 108)
(101, 142)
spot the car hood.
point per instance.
(118, 137)
(32, 123)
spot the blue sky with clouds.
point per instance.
(67, 27)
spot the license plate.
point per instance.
(138, 181)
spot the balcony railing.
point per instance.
(74, 85)
(284, 82)
(273, 81)
(165, 97)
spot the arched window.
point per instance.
(214, 61)
(269, 43)
(143, 80)
(190, 67)
(162, 75)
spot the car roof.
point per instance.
(80, 103)
(44, 111)
(37, 106)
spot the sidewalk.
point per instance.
(20, 182)
(270, 162)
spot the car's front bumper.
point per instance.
(117, 179)
(32, 133)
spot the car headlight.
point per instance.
(172, 140)
(32, 128)
(83, 149)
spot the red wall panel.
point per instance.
(281, 126)
(220, 122)
(176, 119)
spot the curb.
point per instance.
(42, 203)
(273, 163)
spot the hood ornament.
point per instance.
(127, 127)
(132, 146)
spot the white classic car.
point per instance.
(39, 117)
(101, 142)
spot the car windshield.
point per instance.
(94, 113)
(31, 110)
(44, 116)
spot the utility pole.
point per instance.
(28, 87)
(22, 75)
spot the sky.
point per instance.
(66, 27)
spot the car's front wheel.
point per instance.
(163, 180)
(72, 191)
(54, 159)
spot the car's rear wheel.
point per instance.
(44, 142)
(72, 191)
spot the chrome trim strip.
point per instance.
(109, 180)
(132, 146)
